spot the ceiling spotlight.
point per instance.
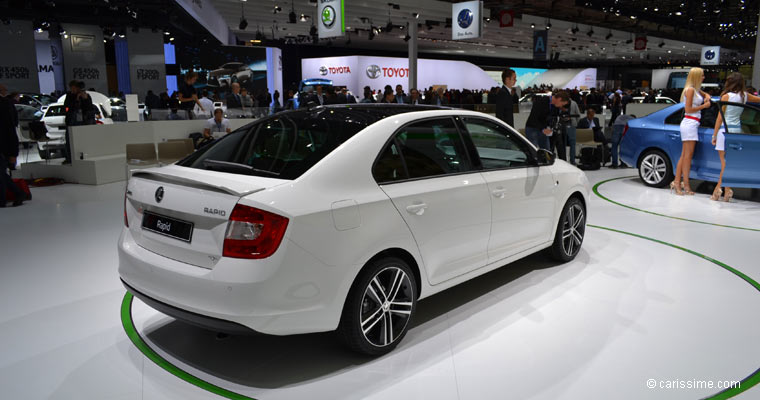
(629, 41)
(609, 35)
(167, 33)
(548, 26)
(171, 39)
(661, 44)
(590, 32)
(532, 26)
(575, 29)
(407, 37)
(276, 9)
(304, 18)
(371, 33)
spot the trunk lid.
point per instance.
(190, 199)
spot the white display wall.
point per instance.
(355, 72)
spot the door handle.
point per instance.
(499, 193)
(735, 146)
(416, 209)
(675, 136)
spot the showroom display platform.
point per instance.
(665, 288)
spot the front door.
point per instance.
(522, 193)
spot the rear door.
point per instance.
(426, 171)
(521, 192)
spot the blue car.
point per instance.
(653, 144)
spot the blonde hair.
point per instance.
(692, 80)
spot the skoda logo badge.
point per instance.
(323, 70)
(328, 16)
(709, 55)
(464, 19)
(373, 72)
(159, 194)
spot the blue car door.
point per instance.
(706, 162)
(743, 148)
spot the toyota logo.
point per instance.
(328, 16)
(464, 19)
(159, 194)
(323, 70)
(373, 72)
(709, 55)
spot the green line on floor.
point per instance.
(134, 336)
(596, 190)
(754, 378)
(129, 327)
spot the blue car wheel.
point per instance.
(655, 169)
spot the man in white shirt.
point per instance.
(207, 105)
(218, 126)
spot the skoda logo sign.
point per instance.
(464, 19)
(373, 72)
(328, 16)
(159, 194)
(709, 55)
(323, 70)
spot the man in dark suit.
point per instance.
(233, 99)
(538, 120)
(507, 97)
(401, 97)
(8, 148)
(592, 122)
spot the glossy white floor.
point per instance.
(627, 310)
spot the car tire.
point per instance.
(571, 230)
(379, 307)
(651, 167)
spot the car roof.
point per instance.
(360, 114)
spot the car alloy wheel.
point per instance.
(653, 169)
(573, 229)
(570, 231)
(386, 306)
(379, 307)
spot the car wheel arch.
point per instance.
(652, 148)
(399, 253)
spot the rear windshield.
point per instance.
(281, 147)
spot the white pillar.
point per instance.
(412, 55)
(756, 66)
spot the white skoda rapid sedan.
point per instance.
(342, 218)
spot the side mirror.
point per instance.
(545, 157)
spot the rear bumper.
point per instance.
(290, 292)
(214, 324)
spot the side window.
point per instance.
(675, 118)
(709, 115)
(389, 167)
(742, 119)
(432, 148)
(497, 146)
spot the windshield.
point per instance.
(284, 147)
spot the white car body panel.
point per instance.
(339, 218)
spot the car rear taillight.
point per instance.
(625, 130)
(253, 233)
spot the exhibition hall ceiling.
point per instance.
(606, 30)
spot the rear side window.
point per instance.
(427, 148)
(283, 147)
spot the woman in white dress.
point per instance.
(734, 92)
(694, 101)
